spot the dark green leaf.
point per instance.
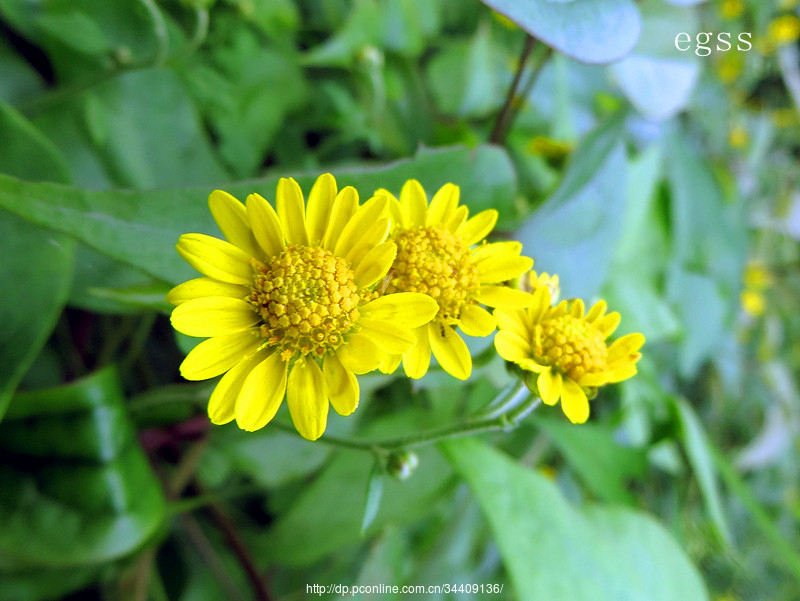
(77, 488)
(591, 31)
(553, 550)
(141, 228)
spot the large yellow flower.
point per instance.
(288, 304)
(566, 350)
(436, 257)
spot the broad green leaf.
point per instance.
(575, 232)
(141, 228)
(36, 264)
(465, 76)
(553, 550)
(44, 585)
(20, 80)
(77, 488)
(602, 463)
(656, 78)
(591, 31)
(697, 447)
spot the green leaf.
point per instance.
(698, 450)
(656, 78)
(141, 228)
(361, 29)
(372, 501)
(37, 584)
(37, 264)
(575, 232)
(602, 463)
(464, 76)
(591, 31)
(553, 550)
(77, 488)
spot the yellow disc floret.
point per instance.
(434, 261)
(307, 298)
(573, 346)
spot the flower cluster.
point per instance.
(299, 299)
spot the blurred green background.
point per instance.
(665, 182)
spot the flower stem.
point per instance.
(504, 413)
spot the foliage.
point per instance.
(661, 181)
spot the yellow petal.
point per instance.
(375, 264)
(597, 311)
(608, 323)
(412, 309)
(221, 405)
(475, 321)
(360, 354)
(418, 359)
(390, 364)
(541, 303)
(478, 227)
(502, 296)
(576, 308)
(531, 365)
(450, 350)
(594, 379)
(456, 218)
(513, 320)
(205, 286)
(625, 346)
(496, 249)
(393, 339)
(413, 203)
(344, 206)
(261, 394)
(266, 225)
(373, 235)
(500, 269)
(574, 402)
(231, 217)
(307, 399)
(341, 384)
(217, 355)
(443, 203)
(213, 316)
(618, 373)
(364, 217)
(216, 258)
(320, 203)
(550, 386)
(510, 346)
(291, 211)
(395, 211)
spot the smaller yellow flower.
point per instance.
(784, 30)
(565, 350)
(442, 253)
(753, 303)
(729, 68)
(531, 281)
(731, 9)
(738, 137)
(756, 276)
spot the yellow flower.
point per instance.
(756, 276)
(531, 281)
(288, 305)
(565, 350)
(753, 303)
(731, 9)
(435, 256)
(738, 137)
(729, 68)
(784, 30)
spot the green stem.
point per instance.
(160, 31)
(498, 133)
(510, 407)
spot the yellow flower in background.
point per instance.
(784, 30)
(753, 303)
(731, 9)
(531, 281)
(738, 137)
(729, 67)
(756, 279)
(288, 304)
(435, 256)
(565, 350)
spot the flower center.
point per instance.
(573, 346)
(307, 299)
(433, 261)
